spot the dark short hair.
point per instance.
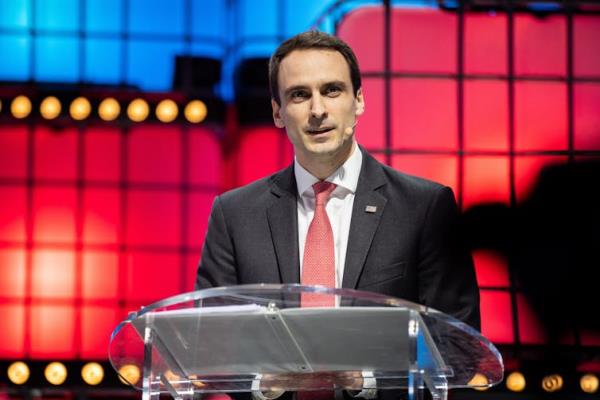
(312, 40)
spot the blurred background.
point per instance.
(120, 120)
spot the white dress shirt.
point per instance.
(339, 207)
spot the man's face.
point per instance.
(318, 107)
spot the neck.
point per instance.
(324, 166)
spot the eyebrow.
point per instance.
(304, 87)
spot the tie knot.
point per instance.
(322, 191)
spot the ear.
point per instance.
(360, 103)
(276, 115)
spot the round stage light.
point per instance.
(55, 373)
(80, 108)
(195, 111)
(166, 110)
(129, 374)
(589, 383)
(515, 381)
(552, 383)
(20, 107)
(18, 372)
(92, 373)
(138, 110)
(479, 382)
(109, 109)
(50, 107)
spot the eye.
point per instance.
(333, 90)
(298, 95)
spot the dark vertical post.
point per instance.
(510, 44)
(387, 63)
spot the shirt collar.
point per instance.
(346, 176)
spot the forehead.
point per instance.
(312, 67)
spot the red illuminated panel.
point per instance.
(153, 217)
(496, 316)
(55, 153)
(540, 45)
(262, 151)
(190, 271)
(541, 116)
(587, 116)
(589, 338)
(527, 170)
(370, 131)
(52, 331)
(101, 215)
(97, 323)
(12, 273)
(12, 344)
(486, 180)
(100, 275)
(486, 115)
(531, 331)
(439, 168)
(53, 274)
(423, 40)
(205, 157)
(153, 276)
(102, 154)
(54, 214)
(199, 205)
(13, 151)
(424, 114)
(485, 44)
(586, 57)
(366, 43)
(155, 154)
(12, 213)
(491, 268)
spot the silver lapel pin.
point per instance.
(371, 209)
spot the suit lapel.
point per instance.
(366, 215)
(282, 215)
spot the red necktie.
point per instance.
(318, 266)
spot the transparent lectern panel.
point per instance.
(292, 337)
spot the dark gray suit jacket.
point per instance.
(409, 248)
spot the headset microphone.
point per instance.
(349, 130)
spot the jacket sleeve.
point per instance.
(446, 275)
(218, 264)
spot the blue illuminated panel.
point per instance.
(57, 15)
(103, 61)
(57, 59)
(151, 64)
(103, 16)
(156, 16)
(15, 14)
(15, 67)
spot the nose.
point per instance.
(317, 107)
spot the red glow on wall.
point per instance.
(491, 268)
(13, 152)
(53, 274)
(496, 316)
(50, 339)
(439, 168)
(155, 154)
(261, 151)
(485, 43)
(12, 213)
(102, 161)
(414, 103)
(486, 115)
(486, 180)
(100, 275)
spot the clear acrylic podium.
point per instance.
(265, 337)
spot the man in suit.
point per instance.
(378, 229)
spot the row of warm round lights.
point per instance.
(515, 381)
(55, 373)
(109, 109)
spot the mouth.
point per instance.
(320, 130)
